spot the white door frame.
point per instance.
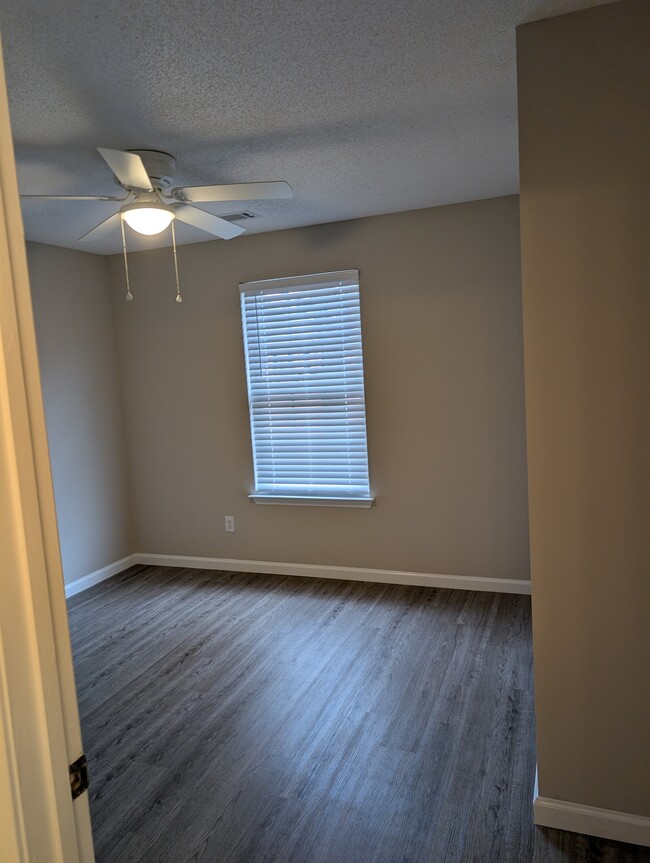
(39, 721)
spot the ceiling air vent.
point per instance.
(239, 217)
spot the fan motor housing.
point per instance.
(160, 166)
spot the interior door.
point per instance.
(40, 735)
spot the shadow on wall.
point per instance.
(330, 234)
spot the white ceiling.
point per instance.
(363, 106)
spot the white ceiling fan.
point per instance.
(152, 201)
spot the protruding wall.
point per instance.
(584, 116)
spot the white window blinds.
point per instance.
(302, 337)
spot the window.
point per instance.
(302, 337)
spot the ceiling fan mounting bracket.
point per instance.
(160, 166)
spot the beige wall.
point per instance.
(442, 331)
(584, 143)
(76, 345)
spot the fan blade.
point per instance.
(235, 192)
(207, 222)
(128, 168)
(72, 198)
(102, 229)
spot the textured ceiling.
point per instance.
(363, 106)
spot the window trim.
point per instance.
(351, 276)
(345, 502)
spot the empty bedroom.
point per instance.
(324, 409)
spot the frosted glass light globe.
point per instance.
(146, 218)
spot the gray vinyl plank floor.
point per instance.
(236, 718)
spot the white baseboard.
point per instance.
(605, 823)
(98, 575)
(348, 573)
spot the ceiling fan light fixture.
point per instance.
(147, 218)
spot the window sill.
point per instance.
(359, 502)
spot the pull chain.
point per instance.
(179, 299)
(129, 295)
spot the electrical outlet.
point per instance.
(230, 523)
